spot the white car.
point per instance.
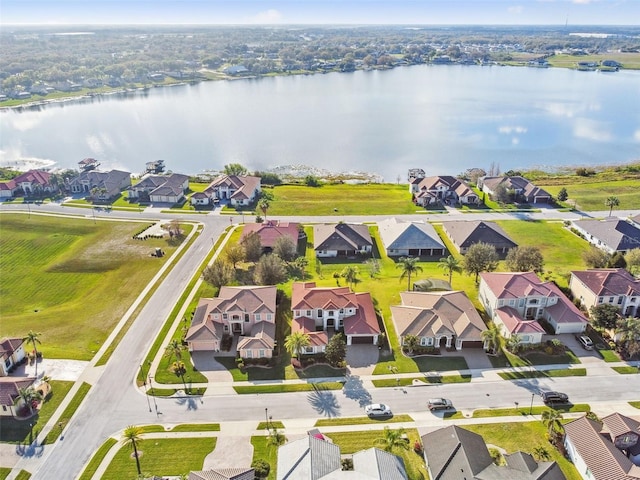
(586, 342)
(378, 410)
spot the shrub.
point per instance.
(261, 467)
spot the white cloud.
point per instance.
(590, 130)
(582, 2)
(636, 135)
(516, 9)
(268, 16)
(508, 129)
(515, 141)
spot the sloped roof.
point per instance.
(365, 321)
(223, 474)
(609, 281)
(262, 335)
(432, 183)
(507, 285)
(378, 464)
(515, 324)
(308, 326)
(271, 231)
(341, 236)
(244, 185)
(10, 386)
(516, 183)
(466, 233)
(8, 346)
(617, 424)
(408, 235)
(619, 235)
(429, 314)
(604, 460)
(309, 458)
(38, 177)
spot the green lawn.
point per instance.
(4, 472)
(522, 411)
(628, 60)
(351, 442)
(20, 431)
(263, 450)
(330, 422)
(563, 372)
(96, 459)
(68, 412)
(408, 381)
(174, 456)
(524, 437)
(626, 370)
(591, 196)
(62, 276)
(281, 388)
(336, 199)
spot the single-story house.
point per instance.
(463, 234)
(611, 234)
(238, 190)
(316, 457)
(272, 230)
(108, 184)
(248, 312)
(33, 182)
(454, 453)
(410, 239)
(12, 352)
(615, 286)
(318, 309)
(341, 240)
(438, 319)
(8, 189)
(160, 188)
(9, 393)
(524, 190)
(441, 189)
(516, 302)
(604, 450)
(235, 473)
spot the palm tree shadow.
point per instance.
(354, 390)
(324, 401)
(189, 401)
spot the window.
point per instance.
(619, 300)
(257, 317)
(342, 310)
(319, 312)
(423, 341)
(430, 342)
(246, 317)
(226, 328)
(501, 302)
(261, 353)
(249, 354)
(225, 316)
(533, 301)
(521, 302)
(269, 317)
(600, 299)
(512, 302)
(308, 349)
(611, 299)
(309, 313)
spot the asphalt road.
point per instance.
(114, 402)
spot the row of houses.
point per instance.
(448, 190)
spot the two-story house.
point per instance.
(516, 302)
(615, 286)
(237, 190)
(318, 310)
(524, 190)
(248, 312)
(443, 189)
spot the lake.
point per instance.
(443, 119)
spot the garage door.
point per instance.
(362, 340)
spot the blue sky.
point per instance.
(475, 12)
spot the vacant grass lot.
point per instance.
(366, 199)
(71, 279)
(523, 437)
(158, 457)
(628, 60)
(590, 196)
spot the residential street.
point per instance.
(115, 402)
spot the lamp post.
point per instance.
(531, 407)
(154, 398)
(144, 381)
(266, 417)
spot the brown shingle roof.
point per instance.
(271, 231)
(608, 281)
(9, 387)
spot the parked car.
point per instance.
(586, 342)
(378, 410)
(552, 397)
(439, 404)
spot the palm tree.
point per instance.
(411, 342)
(392, 439)
(28, 395)
(450, 264)
(628, 333)
(264, 206)
(350, 274)
(513, 343)
(553, 421)
(295, 342)
(409, 266)
(179, 369)
(132, 435)
(491, 338)
(175, 348)
(33, 338)
(611, 202)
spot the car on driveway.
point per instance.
(378, 410)
(552, 397)
(585, 342)
(439, 404)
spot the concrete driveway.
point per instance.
(362, 359)
(585, 356)
(210, 368)
(230, 452)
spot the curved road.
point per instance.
(114, 401)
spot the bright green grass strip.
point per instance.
(522, 411)
(282, 388)
(351, 442)
(272, 424)
(635, 404)
(561, 372)
(525, 437)
(609, 356)
(152, 428)
(23, 475)
(408, 381)
(68, 413)
(159, 457)
(4, 472)
(330, 422)
(96, 459)
(197, 427)
(263, 450)
(626, 370)
(591, 196)
(15, 431)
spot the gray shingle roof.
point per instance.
(408, 235)
(466, 233)
(617, 234)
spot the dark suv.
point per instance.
(554, 397)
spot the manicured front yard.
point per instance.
(329, 422)
(263, 450)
